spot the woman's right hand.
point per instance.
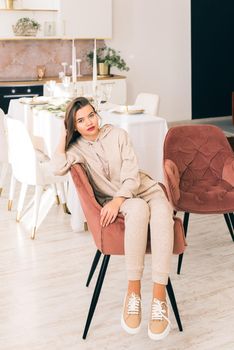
(110, 211)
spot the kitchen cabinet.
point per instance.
(117, 85)
(118, 93)
(71, 19)
(86, 19)
(16, 89)
(42, 11)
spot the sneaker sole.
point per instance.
(159, 336)
(127, 329)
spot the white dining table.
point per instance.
(146, 132)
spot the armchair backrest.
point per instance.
(199, 152)
(198, 161)
(108, 240)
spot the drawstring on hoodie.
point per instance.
(98, 150)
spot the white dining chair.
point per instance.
(3, 151)
(149, 102)
(6, 167)
(30, 168)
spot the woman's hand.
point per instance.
(110, 211)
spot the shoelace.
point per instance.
(134, 304)
(158, 313)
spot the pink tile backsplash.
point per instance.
(19, 58)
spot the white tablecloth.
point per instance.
(43, 126)
(146, 132)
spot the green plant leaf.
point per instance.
(108, 56)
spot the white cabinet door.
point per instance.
(81, 19)
(118, 90)
(37, 4)
(117, 93)
(86, 18)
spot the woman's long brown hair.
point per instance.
(69, 122)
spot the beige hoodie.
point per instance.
(110, 162)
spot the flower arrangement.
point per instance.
(26, 27)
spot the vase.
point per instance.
(9, 4)
(103, 69)
(41, 72)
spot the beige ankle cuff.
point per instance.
(134, 275)
(161, 278)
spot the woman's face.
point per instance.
(86, 123)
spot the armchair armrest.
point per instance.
(173, 180)
(228, 170)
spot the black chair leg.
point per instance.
(231, 217)
(185, 224)
(227, 218)
(174, 304)
(93, 267)
(96, 293)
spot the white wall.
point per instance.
(154, 39)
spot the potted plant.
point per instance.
(26, 27)
(107, 58)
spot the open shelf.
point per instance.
(34, 38)
(41, 10)
(47, 38)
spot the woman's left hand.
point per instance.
(110, 211)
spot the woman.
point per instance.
(107, 154)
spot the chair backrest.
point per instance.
(110, 239)
(194, 160)
(21, 153)
(150, 102)
(3, 139)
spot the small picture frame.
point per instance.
(49, 28)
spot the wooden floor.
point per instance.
(44, 301)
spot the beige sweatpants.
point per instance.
(151, 207)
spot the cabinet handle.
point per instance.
(29, 90)
(21, 95)
(13, 91)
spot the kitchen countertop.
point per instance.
(32, 81)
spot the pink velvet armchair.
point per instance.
(110, 241)
(199, 169)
